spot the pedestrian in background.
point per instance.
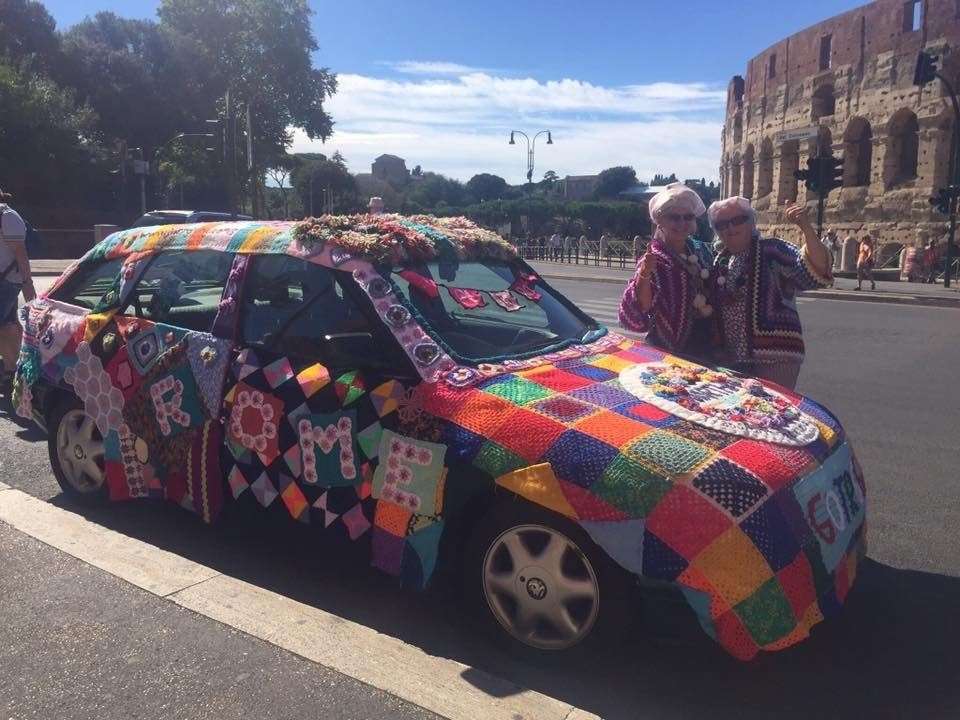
(832, 243)
(583, 248)
(931, 262)
(568, 245)
(667, 295)
(755, 283)
(556, 246)
(15, 277)
(865, 261)
(604, 242)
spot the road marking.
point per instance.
(441, 685)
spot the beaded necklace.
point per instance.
(698, 274)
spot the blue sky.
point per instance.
(619, 83)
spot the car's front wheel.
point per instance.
(539, 581)
(76, 452)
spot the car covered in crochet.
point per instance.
(410, 386)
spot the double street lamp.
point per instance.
(531, 147)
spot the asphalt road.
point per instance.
(887, 371)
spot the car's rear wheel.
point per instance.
(540, 582)
(76, 452)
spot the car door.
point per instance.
(153, 370)
(315, 393)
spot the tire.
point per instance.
(537, 583)
(75, 446)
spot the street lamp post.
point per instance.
(531, 148)
(946, 200)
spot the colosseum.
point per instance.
(849, 80)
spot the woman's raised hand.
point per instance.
(798, 215)
(648, 265)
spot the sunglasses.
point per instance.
(676, 217)
(721, 225)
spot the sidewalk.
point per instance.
(843, 288)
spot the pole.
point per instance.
(311, 193)
(954, 181)
(143, 186)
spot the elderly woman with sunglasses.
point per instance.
(667, 296)
(755, 284)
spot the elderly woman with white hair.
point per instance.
(667, 296)
(756, 281)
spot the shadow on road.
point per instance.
(892, 652)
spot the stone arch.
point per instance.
(734, 188)
(857, 153)
(822, 102)
(789, 164)
(738, 127)
(765, 169)
(747, 191)
(903, 144)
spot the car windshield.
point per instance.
(473, 313)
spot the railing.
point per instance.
(611, 258)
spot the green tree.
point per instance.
(486, 186)
(434, 189)
(28, 36)
(660, 179)
(331, 186)
(614, 180)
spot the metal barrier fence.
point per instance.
(618, 258)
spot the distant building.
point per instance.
(578, 187)
(391, 169)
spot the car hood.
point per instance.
(679, 472)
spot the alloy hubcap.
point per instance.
(80, 452)
(540, 587)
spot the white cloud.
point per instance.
(418, 67)
(459, 126)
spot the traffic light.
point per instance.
(215, 142)
(926, 69)
(941, 201)
(810, 176)
(831, 169)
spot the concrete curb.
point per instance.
(441, 685)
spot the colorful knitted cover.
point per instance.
(764, 538)
(748, 496)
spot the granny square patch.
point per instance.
(631, 487)
(603, 394)
(771, 533)
(278, 372)
(564, 409)
(263, 490)
(294, 499)
(313, 379)
(462, 444)
(356, 521)
(773, 468)
(558, 380)
(387, 551)
(496, 460)
(579, 458)
(253, 421)
(176, 403)
(647, 414)
(238, 483)
(350, 387)
(665, 451)
(517, 390)
(796, 581)
(246, 363)
(733, 566)
(592, 373)
(369, 440)
(730, 486)
(766, 614)
(392, 518)
(660, 562)
(144, 348)
(528, 434)
(612, 428)
(686, 521)
(386, 397)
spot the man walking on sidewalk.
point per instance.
(15, 278)
(865, 262)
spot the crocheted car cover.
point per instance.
(763, 537)
(668, 466)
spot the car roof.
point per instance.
(340, 241)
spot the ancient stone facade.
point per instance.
(852, 77)
(391, 169)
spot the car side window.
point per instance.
(182, 288)
(291, 305)
(85, 287)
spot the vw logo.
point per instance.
(536, 588)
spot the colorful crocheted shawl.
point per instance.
(776, 271)
(670, 319)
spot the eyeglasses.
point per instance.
(721, 225)
(676, 217)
